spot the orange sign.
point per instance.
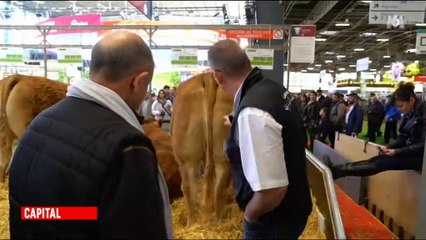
(252, 34)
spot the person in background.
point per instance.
(320, 97)
(337, 116)
(172, 94)
(162, 110)
(354, 116)
(166, 89)
(327, 102)
(312, 118)
(375, 115)
(89, 150)
(324, 125)
(146, 106)
(265, 147)
(392, 116)
(406, 153)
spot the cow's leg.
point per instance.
(188, 171)
(6, 152)
(208, 190)
(223, 179)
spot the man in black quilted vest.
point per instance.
(89, 150)
(265, 147)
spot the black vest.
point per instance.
(78, 143)
(269, 96)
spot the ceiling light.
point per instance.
(320, 39)
(328, 61)
(285, 64)
(386, 56)
(303, 70)
(421, 24)
(368, 34)
(329, 53)
(359, 49)
(411, 50)
(352, 65)
(372, 69)
(382, 39)
(340, 56)
(369, 61)
(366, 1)
(318, 65)
(343, 24)
(387, 66)
(331, 71)
(310, 68)
(328, 33)
(39, 2)
(341, 69)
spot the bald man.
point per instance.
(265, 147)
(89, 150)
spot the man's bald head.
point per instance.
(120, 54)
(228, 57)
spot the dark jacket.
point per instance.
(273, 98)
(78, 153)
(324, 127)
(312, 115)
(355, 120)
(375, 112)
(337, 115)
(412, 132)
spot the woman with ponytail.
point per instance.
(403, 154)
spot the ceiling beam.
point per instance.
(320, 9)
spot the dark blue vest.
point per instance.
(269, 96)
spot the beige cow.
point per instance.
(198, 134)
(23, 98)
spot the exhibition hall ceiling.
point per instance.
(342, 26)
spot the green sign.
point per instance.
(261, 58)
(11, 55)
(184, 57)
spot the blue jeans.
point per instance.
(286, 229)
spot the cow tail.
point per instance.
(7, 85)
(209, 101)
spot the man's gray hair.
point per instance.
(121, 60)
(228, 57)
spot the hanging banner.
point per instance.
(69, 55)
(264, 34)
(184, 57)
(11, 54)
(303, 43)
(76, 20)
(261, 58)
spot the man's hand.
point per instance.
(227, 120)
(388, 152)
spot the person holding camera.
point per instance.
(162, 110)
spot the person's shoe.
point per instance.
(336, 170)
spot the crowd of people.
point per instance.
(159, 107)
(323, 115)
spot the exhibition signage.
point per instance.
(76, 20)
(362, 64)
(261, 58)
(11, 54)
(263, 34)
(184, 57)
(303, 43)
(396, 13)
(421, 41)
(69, 55)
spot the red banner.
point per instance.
(59, 213)
(77, 20)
